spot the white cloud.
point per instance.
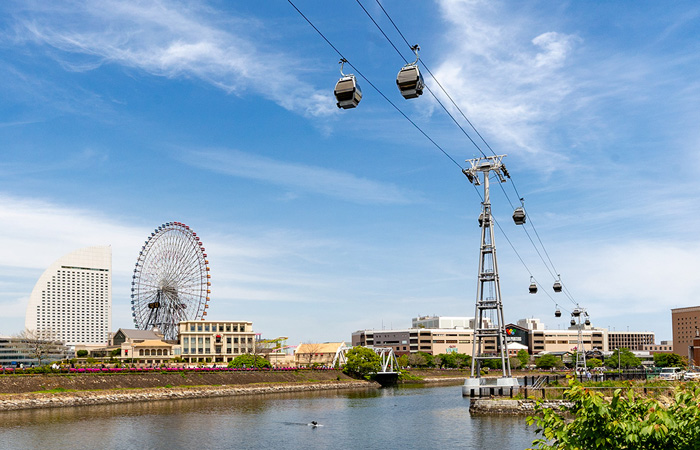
(555, 46)
(314, 179)
(173, 39)
(508, 79)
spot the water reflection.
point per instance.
(406, 417)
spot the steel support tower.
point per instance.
(579, 313)
(489, 326)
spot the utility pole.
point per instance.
(489, 326)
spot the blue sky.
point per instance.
(118, 116)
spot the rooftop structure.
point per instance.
(442, 322)
(72, 300)
(531, 324)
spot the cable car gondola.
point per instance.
(588, 321)
(557, 284)
(573, 322)
(519, 215)
(347, 92)
(557, 313)
(409, 80)
(533, 286)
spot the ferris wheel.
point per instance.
(171, 281)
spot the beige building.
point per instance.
(567, 340)
(632, 340)
(662, 347)
(413, 340)
(217, 341)
(685, 323)
(321, 354)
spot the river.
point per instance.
(403, 417)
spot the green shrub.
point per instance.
(625, 421)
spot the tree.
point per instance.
(81, 353)
(38, 344)
(624, 421)
(548, 362)
(249, 360)
(491, 363)
(402, 360)
(361, 362)
(514, 362)
(416, 360)
(524, 357)
(625, 357)
(446, 360)
(593, 363)
(421, 359)
(463, 360)
(669, 360)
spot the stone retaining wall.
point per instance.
(500, 406)
(17, 384)
(81, 398)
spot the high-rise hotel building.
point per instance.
(72, 301)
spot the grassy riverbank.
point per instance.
(97, 380)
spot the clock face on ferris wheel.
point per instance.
(171, 280)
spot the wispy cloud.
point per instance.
(300, 177)
(510, 78)
(172, 39)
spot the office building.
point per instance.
(429, 340)
(631, 340)
(684, 323)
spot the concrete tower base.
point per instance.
(484, 387)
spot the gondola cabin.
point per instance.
(519, 216)
(533, 288)
(410, 81)
(347, 92)
(557, 313)
(557, 286)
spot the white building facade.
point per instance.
(72, 301)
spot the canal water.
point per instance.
(403, 417)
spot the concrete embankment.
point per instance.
(110, 396)
(59, 390)
(502, 406)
